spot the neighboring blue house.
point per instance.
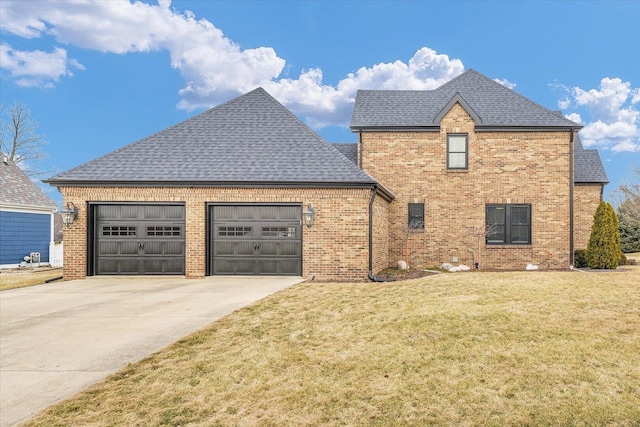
(26, 217)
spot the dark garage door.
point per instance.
(139, 239)
(256, 239)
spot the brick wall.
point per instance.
(503, 167)
(380, 234)
(586, 198)
(336, 248)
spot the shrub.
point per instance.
(580, 258)
(629, 217)
(604, 244)
(623, 259)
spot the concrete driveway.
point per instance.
(59, 338)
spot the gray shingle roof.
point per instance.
(588, 166)
(250, 139)
(348, 149)
(18, 191)
(492, 103)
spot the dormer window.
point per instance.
(457, 151)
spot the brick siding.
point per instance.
(336, 248)
(586, 198)
(503, 167)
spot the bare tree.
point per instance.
(630, 191)
(411, 229)
(481, 233)
(18, 138)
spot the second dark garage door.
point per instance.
(256, 239)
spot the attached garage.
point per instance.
(256, 239)
(223, 193)
(132, 239)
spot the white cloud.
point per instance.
(564, 103)
(506, 83)
(324, 105)
(37, 68)
(613, 123)
(214, 67)
(575, 117)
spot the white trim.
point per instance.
(9, 265)
(52, 231)
(22, 267)
(27, 209)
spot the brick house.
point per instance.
(225, 191)
(473, 154)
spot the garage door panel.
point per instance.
(287, 267)
(224, 248)
(106, 266)
(173, 267)
(244, 248)
(108, 248)
(268, 248)
(174, 248)
(154, 248)
(290, 248)
(128, 248)
(269, 212)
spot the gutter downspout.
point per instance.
(571, 180)
(373, 198)
(360, 148)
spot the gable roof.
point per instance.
(250, 140)
(588, 166)
(490, 104)
(18, 191)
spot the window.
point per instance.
(163, 231)
(457, 151)
(112, 230)
(234, 231)
(508, 224)
(416, 216)
(278, 232)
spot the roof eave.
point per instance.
(499, 128)
(213, 184)
(592, 182)
(355, 129)
(478, 128)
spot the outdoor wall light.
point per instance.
(69, 214)
(308, 215)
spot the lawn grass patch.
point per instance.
(14, 280)
(524, 348)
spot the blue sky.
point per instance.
(98, 75)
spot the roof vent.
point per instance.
(5, 160)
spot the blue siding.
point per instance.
(23, 233)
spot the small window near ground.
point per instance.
(416, 216)
(457, 156)
(508, 224)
